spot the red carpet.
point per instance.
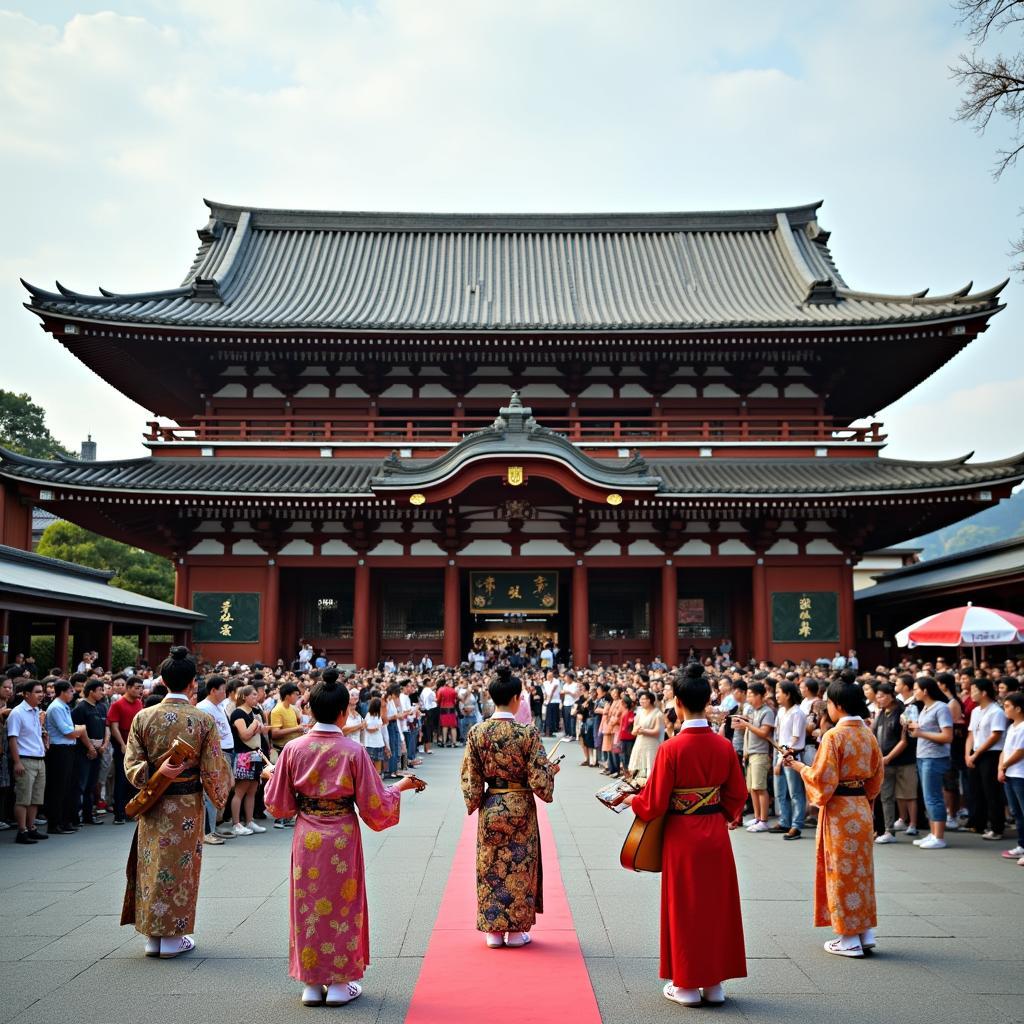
(462, 980)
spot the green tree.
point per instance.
(23, 428)
(136, 570)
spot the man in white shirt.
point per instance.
(570, 691)
(27, 754)
(428, 705)
(547, 657)
(213, 705)
(552, 704)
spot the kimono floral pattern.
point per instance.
(844, 889)
(161, 895)
(509, 874)
(329, 934)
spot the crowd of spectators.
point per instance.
(951, 733)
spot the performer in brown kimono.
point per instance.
(166, 856)
(503, 768)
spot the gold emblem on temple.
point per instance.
(417, 499)
(515, 475)
(614, 499)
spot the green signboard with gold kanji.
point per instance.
(230, 618)
(808, 616)
(527, 591)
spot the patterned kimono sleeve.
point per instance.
(279, 795)
(379, 805)
(472, 776)
(822, 777)
(213, 769)
(136, 764)
(653, 800)
(539, 774)
(873, 784)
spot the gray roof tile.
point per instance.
(566, 272)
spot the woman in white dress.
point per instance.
(649, 730)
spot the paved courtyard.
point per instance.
(951, 927)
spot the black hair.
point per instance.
(946, 679)
(813, 688)
(757, 688)
(215, 682)
(691, 687)
(848, 697)
(1016, 699)
(330, 675)
(374, 708)
(740, 684)
(92, 686)
(932, 688)
(136, 681)
(886, 688)
(986, 686)
(159, 690)
(178, 670)
(61, 686)
(287, 690)
(792, 692)
(504, 686)
(328, 699)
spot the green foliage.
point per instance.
(1001, 522)
(136, 570)
(125, 650)
(23, 428)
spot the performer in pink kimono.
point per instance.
(322, 779)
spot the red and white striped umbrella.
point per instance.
(969, 626)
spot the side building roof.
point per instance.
(285, 269)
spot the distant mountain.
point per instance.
(1004, 521)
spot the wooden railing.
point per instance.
(629, 429)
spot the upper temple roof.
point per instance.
(262, 268)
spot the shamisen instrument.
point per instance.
(181, 752)
(641, 850)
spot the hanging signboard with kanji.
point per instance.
(807, 616)
(230, 618)
(526, 591)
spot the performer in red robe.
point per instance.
(697, 781)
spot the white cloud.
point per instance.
(113, 127)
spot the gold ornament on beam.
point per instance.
(514, 476)
(417, 499)
(614, 499)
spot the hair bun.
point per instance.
(329, 675)
(179, 653)
(693, 671)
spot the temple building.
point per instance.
(388, 433)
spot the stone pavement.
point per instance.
(950, 930)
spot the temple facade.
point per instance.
(388, 433)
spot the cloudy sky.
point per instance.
(117, 118)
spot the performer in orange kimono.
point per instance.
(845, 777)
(697, 781)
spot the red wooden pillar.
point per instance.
(272, 615)
(580, 616)
(760, 610)
(106, 645)
(361, 616)
(847, 617)
(452, 615)
(60, 646)
(182, 591)
(669, 615)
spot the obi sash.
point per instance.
(851, 787)
(505, 786)
(696, 800)
(322, 807)
(184, 787)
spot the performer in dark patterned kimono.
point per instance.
(503, 768)
(167, 851)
